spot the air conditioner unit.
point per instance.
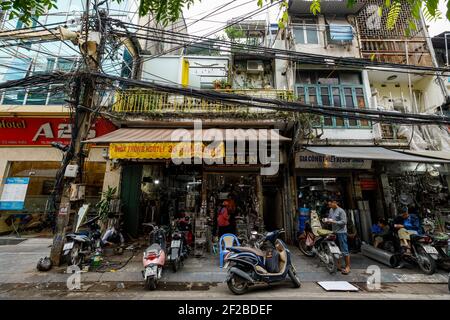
(255, 66)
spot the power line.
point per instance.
(187, 40)
(280, 105)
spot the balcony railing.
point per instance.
(152, 102)
(413, 52)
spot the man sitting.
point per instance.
(405, 228)
(381, 232)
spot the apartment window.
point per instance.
(306, 31)
(336, 89)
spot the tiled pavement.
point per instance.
(18, 265)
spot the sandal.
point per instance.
(345, 272)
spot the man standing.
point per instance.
(338, 219)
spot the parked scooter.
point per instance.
(178, 250)
(249, 266)
(154, 257)
(80, 245)
(321, 242)
(439, 242)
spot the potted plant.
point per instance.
(104, 205)
(217, 84)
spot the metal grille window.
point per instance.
(305, 32)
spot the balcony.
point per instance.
(338, 7)
(152, 103)
(413, 52)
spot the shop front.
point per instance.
(28, 166)
(422, 187)
(159, 184)
(356, 176)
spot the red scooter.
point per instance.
(154, 257)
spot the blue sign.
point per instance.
(14, 193)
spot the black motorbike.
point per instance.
(249, 266)
(179, 250)
(422, 252)
(440, 243)
(80, 245)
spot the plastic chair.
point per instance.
(226, 241)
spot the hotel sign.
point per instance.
(23, 131)
(311, 160)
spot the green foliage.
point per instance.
(234, 33)
(104, 204)
(393, 14)
(25, 9)
(167, 11)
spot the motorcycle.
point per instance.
(178, 250)
(249, 266)
(80, 245)
(422, 253)
(321, 242)
(154, 257)
(439, 242)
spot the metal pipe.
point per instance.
(379, 255)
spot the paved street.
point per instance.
(200, 278)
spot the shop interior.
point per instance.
(167, 192)
(42, 180)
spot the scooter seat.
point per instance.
(156, 248)
(256, 251)
(323, 232)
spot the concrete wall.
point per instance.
(337, 50)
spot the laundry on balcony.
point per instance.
(340, 32)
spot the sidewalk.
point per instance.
(18, 266)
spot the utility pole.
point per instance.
(92, 47)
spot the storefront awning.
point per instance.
(445, 155)
(372, 153)
(125, 135)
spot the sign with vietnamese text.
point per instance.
(311, 160)
(23, 131)
(14, 192)
(162, 150)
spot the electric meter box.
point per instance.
(71, 171)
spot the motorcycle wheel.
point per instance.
(237, 285)
(75, 257)
(176, 265)
(332, 263)
(293, 275)
(425, 261)
(306, 250)
(150, 283)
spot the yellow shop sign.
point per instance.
(164, 150)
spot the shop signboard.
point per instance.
(14, 192)
(311, 160)
(28, 131)
(162, 150)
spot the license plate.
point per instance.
(334, 249)
(68, 246)
(149, 272)
(175, 243)
(430, 249)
